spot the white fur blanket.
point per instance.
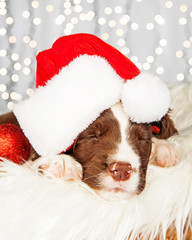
(33, 207)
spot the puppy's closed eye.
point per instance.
(90, 135)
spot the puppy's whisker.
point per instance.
(92, 176)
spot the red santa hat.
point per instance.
(77, 79)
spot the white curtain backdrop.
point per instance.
(155, 35)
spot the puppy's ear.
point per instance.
(8, 118)
(164, 128)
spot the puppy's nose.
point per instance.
(120, 171)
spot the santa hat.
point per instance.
(77, 79)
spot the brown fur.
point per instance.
(93, 146)
(8, 118)
(168, 128)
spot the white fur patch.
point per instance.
(53, 117)
(125, 152)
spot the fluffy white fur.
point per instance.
(53, 117)
(34, 207)
(145, 98)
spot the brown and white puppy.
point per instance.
(112, 154)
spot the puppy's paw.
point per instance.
(163, 153)
(60, 166)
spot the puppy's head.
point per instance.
(114, 153)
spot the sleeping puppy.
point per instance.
(112, 154)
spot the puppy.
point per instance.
(112, 154)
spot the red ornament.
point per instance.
(13, 143)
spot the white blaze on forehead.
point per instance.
(125, 151)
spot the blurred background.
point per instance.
(155, 35)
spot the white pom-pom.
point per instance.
(145, 98)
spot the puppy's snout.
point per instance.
(120, 171)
